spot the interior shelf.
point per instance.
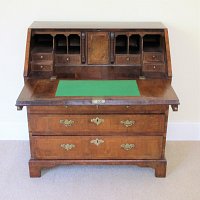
(42, 43)
(121, 44)
(127, 44)
(152, 43)
(61, 44)
(74, 44)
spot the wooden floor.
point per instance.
(100, 182)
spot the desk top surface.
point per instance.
(95, 25)
(42, 92)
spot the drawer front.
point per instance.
(67, 59)
(127, 60)
(97, 109)
(154, 67)
(91, 124)
(153, 57)
(42, 56)
(41, 67)
(96, 147)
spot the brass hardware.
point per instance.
(52, 78)
(174, 107)
(67, 146)
(142, 77)
(67, 122)
(98, 101)
(97, 141)
(153, 57)
(127, 146)
(66, 106)
(127, 58)
(41, 57)
(41, 66)
(127, 123)
(154, 67)
(19, 108)
(97, 121)
(127, 107)
(67, 59)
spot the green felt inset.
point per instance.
(97, 88)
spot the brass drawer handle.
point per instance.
(67, 146)
(67, 122)
(97, 121)
(97, 141)
(127, 123)
(127, 146)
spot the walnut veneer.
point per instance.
(97, 130)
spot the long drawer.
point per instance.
(92, 124)
(96, 147)
(98, 109)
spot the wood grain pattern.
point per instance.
(169, 70)
(99, 109)
(98, 48)
(36, 166)
(27, 56)
(42, 92)
(82, 124)
(50, 147)
(90, 51)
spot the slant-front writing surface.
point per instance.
(42, 92)
(111, 127)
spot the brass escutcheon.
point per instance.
(97, 121)
(97, 141)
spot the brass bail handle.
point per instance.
(67, 147)
(127, 146)
(66, 122)
(128, 123)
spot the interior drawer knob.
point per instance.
(127, 58)
(127, 146)
(67, 146)
(41, 57)
(128, 123)
(97, 121)
(66, 122)
(97, 141)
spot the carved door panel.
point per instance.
(98, 48)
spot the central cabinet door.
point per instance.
(98, 48)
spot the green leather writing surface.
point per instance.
(97, 88)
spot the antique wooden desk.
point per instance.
(97, 129)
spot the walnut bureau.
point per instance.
(122, 130)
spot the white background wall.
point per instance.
(180, 16)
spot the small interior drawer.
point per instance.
(153, 57)
(67, 59)
(42, 56)
(96, 147)
(127, 60)
(41, 67)
(154, 67)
